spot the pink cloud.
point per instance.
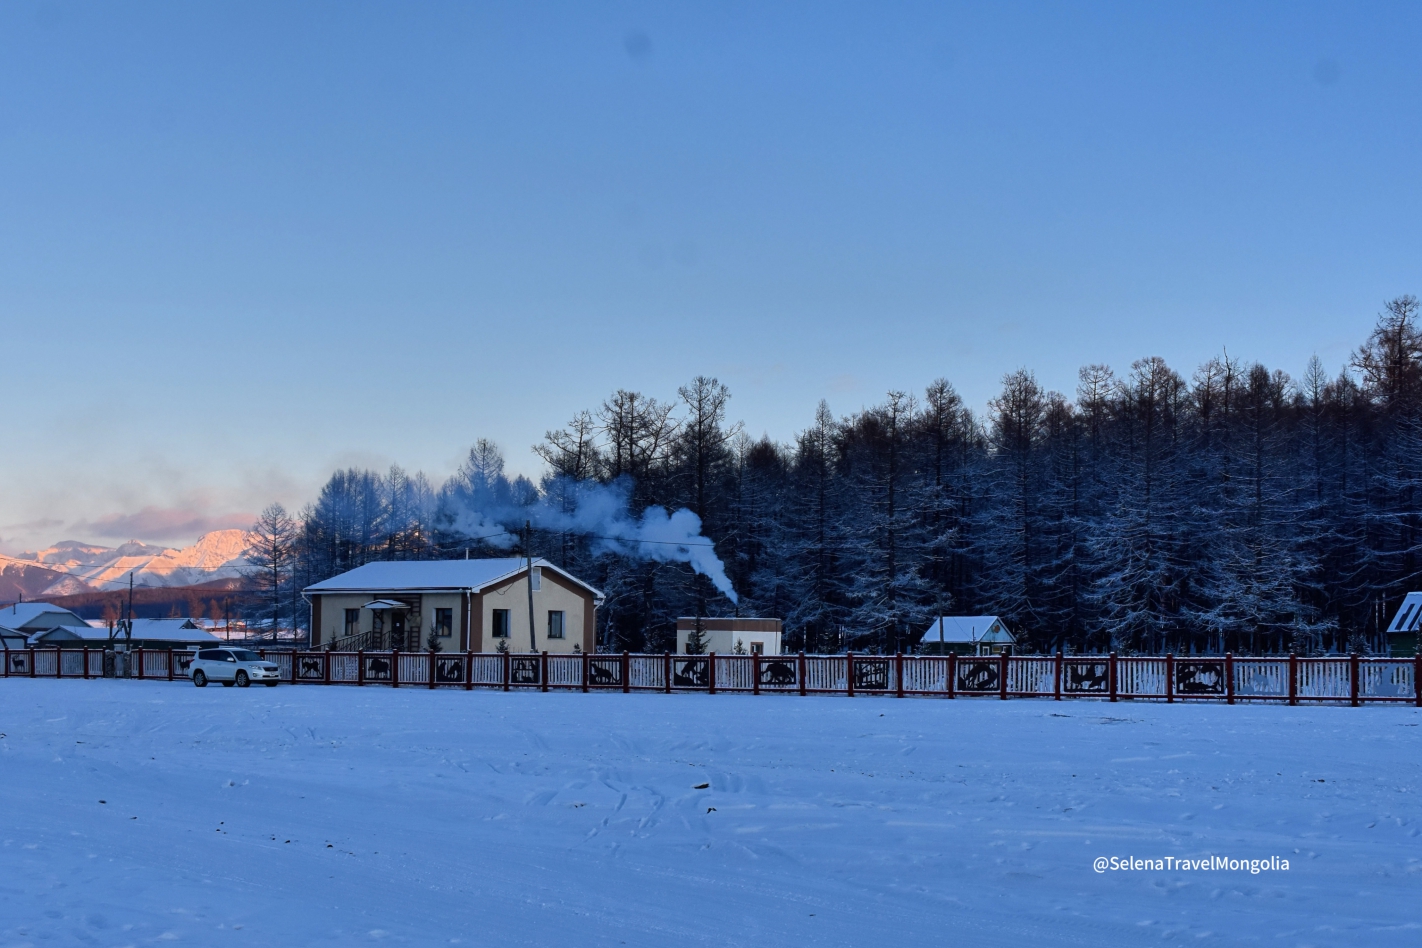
(163, 523)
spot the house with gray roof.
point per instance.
(20, 620)
(478, 605)
(146, 633)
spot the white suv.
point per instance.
(232, 666)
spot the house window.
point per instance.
(444, 622)
(352, 621)
(537, 578)
(757, 648)
(555, 623)
(501, 623)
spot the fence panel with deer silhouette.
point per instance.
(1293, 679)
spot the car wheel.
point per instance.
(199, 679)
(242, 679)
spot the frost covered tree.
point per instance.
(1241, 509)
(272, 566)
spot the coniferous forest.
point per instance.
(1232, 507)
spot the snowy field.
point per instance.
(135, 813)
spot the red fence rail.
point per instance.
(1350, 679)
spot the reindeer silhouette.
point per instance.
(310, 668)
(377, 668)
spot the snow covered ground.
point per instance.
(133, 813)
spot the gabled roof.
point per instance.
(968, 629)
(436, 575)
(1408, 616)
(144, 630)
(21, 614)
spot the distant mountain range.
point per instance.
(71, 567)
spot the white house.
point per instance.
(466, 605)
(146, 633)
(21, 620)
(967, 635)
(731, 636)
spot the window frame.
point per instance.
(507, 617)
(352, 621)
(562, 624)
(444, 622)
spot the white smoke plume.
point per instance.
(600, 513)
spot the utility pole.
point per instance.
(528, 552)
(128, 628)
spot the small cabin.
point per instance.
(1402, 633)
(730, 636)
(967, 635)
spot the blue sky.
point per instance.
(241, 244)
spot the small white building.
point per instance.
(473, 605)
(967, 635)
(731, 636)
(146, 633)
(22, 620)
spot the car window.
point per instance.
(227, 656)
(244, 655)
(210, 655)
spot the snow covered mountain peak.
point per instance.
(221, 554)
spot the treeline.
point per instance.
(1237, 509)
(218, 600)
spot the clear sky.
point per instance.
(244, 243)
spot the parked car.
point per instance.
(232, 666)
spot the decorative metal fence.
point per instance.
(1349, 679)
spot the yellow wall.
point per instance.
(333, 615)
(578, 617)
(513, 596)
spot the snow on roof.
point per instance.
(146, 630)
(20, 614)
(967, 629)
(1409, 614)
(415, 575)
(176, 630)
